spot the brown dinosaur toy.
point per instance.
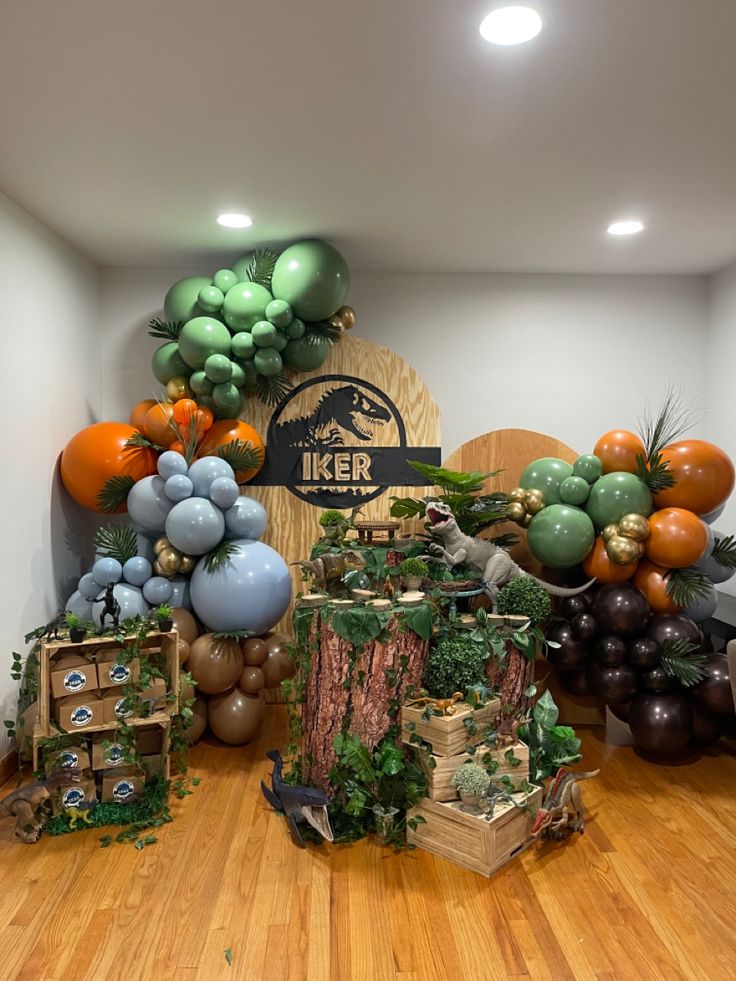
(332, 566)
(26, 803)
(507, 733)
(561, 811)
(442, 706)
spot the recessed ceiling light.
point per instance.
(625, 227)
(234, 221)
(511, 25)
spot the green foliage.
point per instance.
(419, 619)
(331, 517)
(725, 552)
(240, 454)
(359, 625)
(139, 441)
(414, 567)
(118, 541)
(163, 612)
(678, 659)
(655, 472)
(523, 596)
(471, 778)
(114, 492)
(672, 420)
(261, 266)
(167, 330)
(150, 811)
(272, 390)
(454, 664)
(219, 556)
(550, 746)
(687, 586)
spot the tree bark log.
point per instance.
(511, 679)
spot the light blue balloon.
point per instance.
(88, 587)
(716, 572)
(247, 518)
(137, 571)
(224, 492)
(131, 603)
(702, 609)
(145, 547)
(170, 463)
(79, 605)
(148, 504)
(178, 487)
(195, 526)
(203, 472)
(157, 590)
(105, 571)
(180, 595)
(713, 515)
(251, 591)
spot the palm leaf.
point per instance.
(454, 481)
(725, 552)
(219, 556)
(322, 331)
(261, 266)
(241, 455)
(119, 542)
(655, 472)
(271, 391)
(114, 493)
(139, 441)
(686, 586)
(674, 418)
(167, 330)
(678, 659)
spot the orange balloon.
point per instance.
(184, 409)
(676, 538)
(138, 413)
(597, 564)
(205, 419)
(98, 453)
(703, 473)
(178, 447)
(227, 430)
(617, 450)
(157, 424)
(649, 578)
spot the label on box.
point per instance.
(67, 758)
(73, 797)
(119, 674)
(74, 681)
(120, 709)
(123, 790)
(81, 715)
(113, 755)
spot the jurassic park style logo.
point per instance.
(337, 442)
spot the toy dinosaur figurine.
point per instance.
(80, 812)
(26, 803)
(507, 732)
(441, 706)
(299, 804)
(111, 608)
(494, 564)
(561, 812)
(332, 566)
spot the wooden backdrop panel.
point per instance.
(292, 523)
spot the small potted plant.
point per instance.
(472, 781)
(334, 525)
(164, 618)
(413, 572)
(77, 628)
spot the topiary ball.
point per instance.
(523, 596)
(454, 664)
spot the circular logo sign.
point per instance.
(67, 758)
(114, 755)
(123, 790)
(120, 710)
(75, 680)
(73, 797)
(119, 674)
(81, 715)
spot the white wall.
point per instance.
(50, 389)
(720, 394)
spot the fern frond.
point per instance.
(219, 556)
(673, 419)
(687, 586)
(114, 493)
(139, 441)
(678, 660)
(261, 266)
(167, 330)
(655, 473)
(725, 552)
(119, 542)
(241, 455)
(271, 391)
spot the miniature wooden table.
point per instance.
(367, 529)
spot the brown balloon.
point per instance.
(199, 721)
(185, 623)
(278, 664)
(255, 651)
(184, 651)
(661, 724)
(215, 663)
(713, 694)
(235, 718)
(252, 680)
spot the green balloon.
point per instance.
(210, 299)
(201, 337)
(306, 353)
(167, 363)
(295, 329)
(207, 402)
(241, 266)
(218, 368)
(225, 279)
(200, 383)
(588, 467)
(268, 362)
(238, 375)
(280, 341)
(574, 490)
(279, 313)
(243, 345)
(226, 396)
(245, 304)
(546, 475)
(181, 300)
(251, 375)
(615, 495)
(313, 278)
(560, 536)
(263, 333)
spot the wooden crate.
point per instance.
(447, 734)
(439, 777)
(470, 840)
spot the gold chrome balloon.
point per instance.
(516, 494)
(527, 520)
(187, 564)
(622, 551)
(609, 532)
(515, 512)
(348, 317)
(178, 388)
(169, 561)
(157, 569)
(634, 526)
(160, 545)
(534, 501)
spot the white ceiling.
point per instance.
(387, 126)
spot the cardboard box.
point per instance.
(79, 711)
(112, 706)
(81, 792)
(155, 694)
(152, 765)
(112, 672)
(109, 756)
(69, 757)
(150, 740)
(122, 785)
(72, 675)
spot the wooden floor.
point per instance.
(648, 892)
